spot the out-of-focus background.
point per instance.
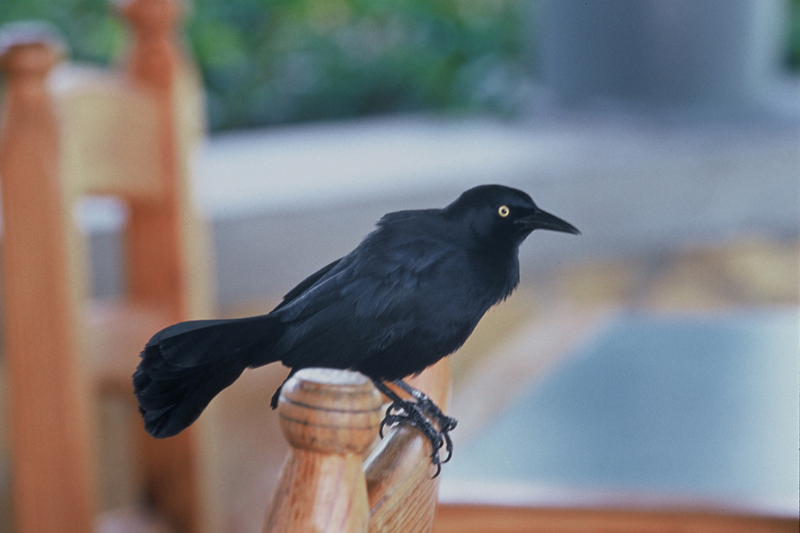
(653, 358)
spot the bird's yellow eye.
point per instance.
(503, 211)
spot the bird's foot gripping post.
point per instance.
(417, 413)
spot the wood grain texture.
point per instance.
(329, 417)
(50, 426)
(402, 493)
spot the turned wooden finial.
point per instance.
(18, 39)
(154, 55)
(151, 16)
(329, 417)
(28, 52)
(29, 128)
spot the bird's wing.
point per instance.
(386, 250)
(306, 283)
(374, 298)
(365, 276)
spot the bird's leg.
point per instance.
(398, 405)
(408, 412)
(275, 397)
(427, 406)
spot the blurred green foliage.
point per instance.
(277, 61)
(272, 61)
(90, 30)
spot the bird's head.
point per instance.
(500, 215)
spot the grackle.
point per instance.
(408, 295)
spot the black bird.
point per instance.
(408, 295)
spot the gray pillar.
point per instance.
(717, 53)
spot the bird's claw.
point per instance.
(446, 423)
(390, 419)
(420, 413)
(411, 413)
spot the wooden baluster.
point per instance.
(330, 417)
(49, 417)
(402, 495)
(156, 270)
(157, 253)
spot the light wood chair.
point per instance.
(127, 133)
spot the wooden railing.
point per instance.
(69, 132)
(330, 419)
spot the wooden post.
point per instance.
(51, 482)
(330, 417)
(402, 493)
(156, 268)
(159, 236)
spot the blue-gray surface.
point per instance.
(697, 406)
(284, 201)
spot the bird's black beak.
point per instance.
(543, 220)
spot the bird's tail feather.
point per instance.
(183, 367)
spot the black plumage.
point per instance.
(408, 295)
